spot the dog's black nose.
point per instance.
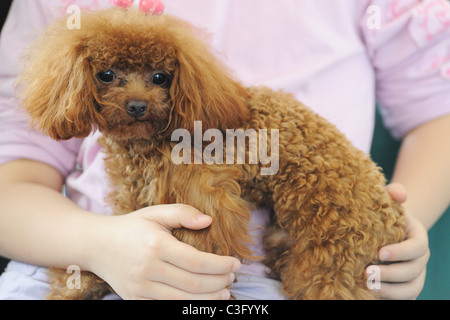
(136, 109)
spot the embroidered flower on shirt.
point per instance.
(446, 71)
(430, 19)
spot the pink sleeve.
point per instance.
(408, 42)
(25, 21)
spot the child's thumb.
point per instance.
(173, 216)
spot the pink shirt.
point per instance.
(339, 57)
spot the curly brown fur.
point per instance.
(331, 209)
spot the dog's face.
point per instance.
(135, 104)
(131, 76)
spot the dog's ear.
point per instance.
(56, 85)
(203, 90)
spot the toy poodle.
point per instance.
(138, 79)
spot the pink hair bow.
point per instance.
(155, 7)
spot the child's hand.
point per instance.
(140, 258)
(405, 278)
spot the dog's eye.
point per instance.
(106, 76)
(159, 79)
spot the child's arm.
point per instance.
(423, 168)
(136, 253)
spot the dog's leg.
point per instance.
(213, 190)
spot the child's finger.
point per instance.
(176, 216)
(196, 283)
(402, 271)
(415, 245)
(397, 192)
(404, 291)
(188, 258)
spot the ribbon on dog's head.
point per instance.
(154, 7)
